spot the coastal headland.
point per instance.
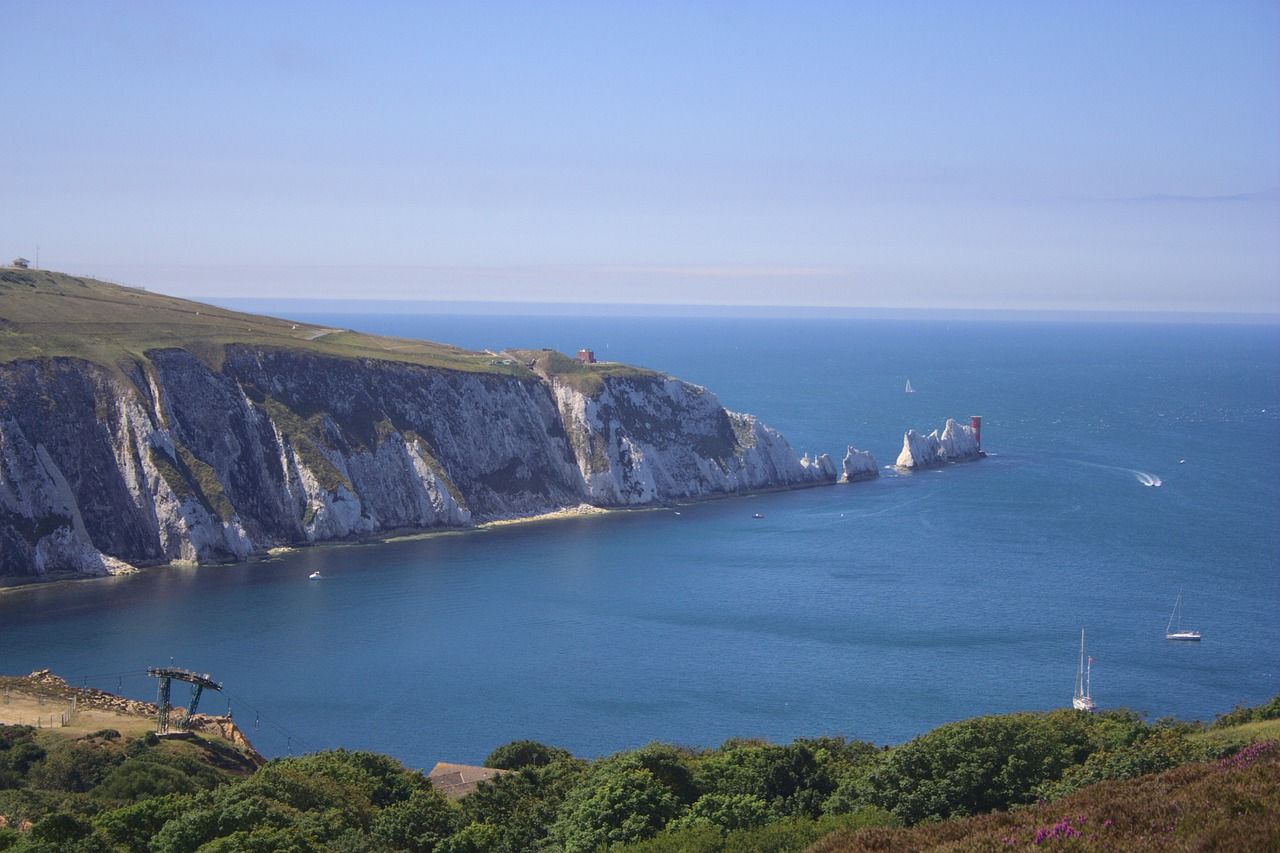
(141, 430)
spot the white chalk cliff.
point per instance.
(858, 465)
(171, 459)
(957, 443)
(646, 439)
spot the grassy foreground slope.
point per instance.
(47, 314)
(1229, 804)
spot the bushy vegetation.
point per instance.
(1240, 715)
(1229, 804)
(104, 792)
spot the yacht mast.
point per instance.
(1174, 614)
(1080, 667)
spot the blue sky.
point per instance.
(1015, 155)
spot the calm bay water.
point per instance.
(877, 610)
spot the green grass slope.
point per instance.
(584, 378)
(47, 314)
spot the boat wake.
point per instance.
(894, 508)
(1146, 478)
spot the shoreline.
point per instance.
(582, 510)
(14, 586)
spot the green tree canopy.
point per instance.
(977, 765)
(617, 805)
(524, 753)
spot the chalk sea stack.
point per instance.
(957, 443)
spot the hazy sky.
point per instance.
(1041, 155)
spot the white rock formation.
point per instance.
(178, 461)
(63, 551)
(858, 465)
(956, 444)
(820, 467)
(644, 439)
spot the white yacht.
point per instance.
(1082, 701)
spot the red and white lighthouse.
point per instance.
(975, 423)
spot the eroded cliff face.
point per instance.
(177, 461)
(640, 440)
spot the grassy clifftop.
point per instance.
(47, 314)
(586, 378)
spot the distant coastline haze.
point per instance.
(1092, 157)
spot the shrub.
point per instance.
(473, 838)
(1161, 750)
(615, 806)
(786, 835)
(73, 766)
(60, 829)
(977, 765)
(788, 778)
(133, 826)
(1240, 714)
(524, 753)
(727, 812)
(381, 778)
(522, 805)
(419, 823)
(135, 780)
(23, 756)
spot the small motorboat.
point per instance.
(758, 515)
(315, 576)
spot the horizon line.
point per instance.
(374, 304)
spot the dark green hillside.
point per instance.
(1018, 781)
(1229, 804)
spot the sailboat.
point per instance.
(1175, 618)
(1082, 701)
(910, 390)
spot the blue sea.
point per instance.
(1127, 462)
